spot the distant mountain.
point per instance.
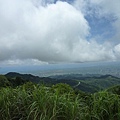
(81, 76)
(86, 83)
(103, 81)
(28, 77)
(92, 80)
(37, 79)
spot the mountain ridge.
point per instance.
(88, 83)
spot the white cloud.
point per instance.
(111, 8)
(51, 33)
(25, 62)
(117, 51)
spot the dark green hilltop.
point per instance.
(86, 83)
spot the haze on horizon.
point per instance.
(51, 31)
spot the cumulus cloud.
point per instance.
(110, 8)
(42, 30)
(117, 51)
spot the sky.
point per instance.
(36, 32)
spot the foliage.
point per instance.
(38, 103)
(114, 89)
(88, 83)
(59, 102)
(106, 106)
(13, 82)
(62, 88)
(23, 100)
(4, 81)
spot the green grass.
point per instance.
(59, 102)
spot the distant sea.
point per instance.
(102, 68)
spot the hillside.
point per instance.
(95, 81)
(88, 83)
(59, 102)
(51, 81)
(4, 81)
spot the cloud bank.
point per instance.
(51, 32)
(111, 8)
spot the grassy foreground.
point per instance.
(59, 102)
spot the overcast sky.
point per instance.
(50, 31)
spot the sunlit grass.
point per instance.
(33, 102)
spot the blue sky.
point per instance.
(101, 26)
(36, 32)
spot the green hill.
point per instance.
(114, 89)
(88, 83)
(4, 81)
(30, 101)
(91, 82)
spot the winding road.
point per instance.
(77, 84)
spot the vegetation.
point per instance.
(59, 102)
(29, 101)
(88, 83)
(4, 81)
